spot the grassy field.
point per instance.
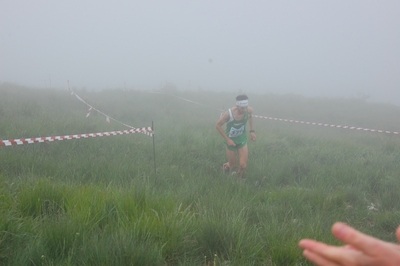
(97, 201)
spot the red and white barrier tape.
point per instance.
(257, 116)
(328, 125)
(186, 100)
(92, 108)
(145, 130)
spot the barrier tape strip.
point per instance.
(293, 121)
(92, 108)
(328, 125)
(265, 117)
(187, 100)
(145, 130)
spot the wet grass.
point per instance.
(98, 202)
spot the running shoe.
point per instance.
(225, 168)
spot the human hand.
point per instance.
(230, 143)
(253, 136)
(361, 249)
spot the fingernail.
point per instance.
(339, 228)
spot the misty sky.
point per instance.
(341, 48)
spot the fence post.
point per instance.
(154, 153)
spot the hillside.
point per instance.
(98, 201)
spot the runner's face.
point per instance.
(241, 110)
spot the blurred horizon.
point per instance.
(310, 48)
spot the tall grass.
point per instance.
(98, 202)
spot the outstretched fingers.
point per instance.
(323, 254)
(365, 243)
(318, 259)
(359, 249)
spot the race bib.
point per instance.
(235, 132)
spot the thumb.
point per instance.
(398, 233)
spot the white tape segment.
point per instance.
(328, 125)
(184, 99)
(145, 130)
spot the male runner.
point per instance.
(235, 134)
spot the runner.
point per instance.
(235, 135)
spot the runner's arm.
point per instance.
(222, 120)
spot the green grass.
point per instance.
(97, 201)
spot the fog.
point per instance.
(312, 48)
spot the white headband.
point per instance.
(242, 103)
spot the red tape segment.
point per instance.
(329, 125)
(145, 130)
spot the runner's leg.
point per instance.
(231, 160)
(243, 156)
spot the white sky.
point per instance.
(340, 48)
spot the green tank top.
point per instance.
(236, 129)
